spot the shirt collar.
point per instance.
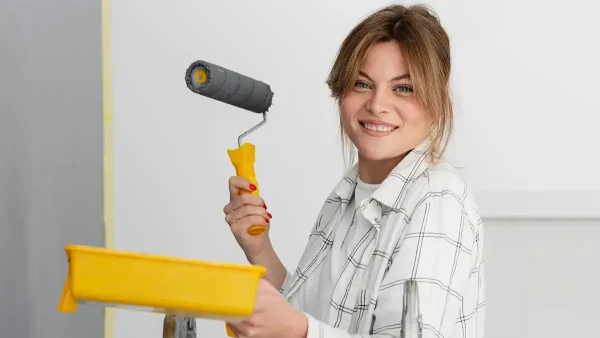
(388, 193)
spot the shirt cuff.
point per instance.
(317, 329)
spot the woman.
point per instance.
(402, 212)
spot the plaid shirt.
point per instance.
(425, 227)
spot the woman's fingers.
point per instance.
(244, 200)
(237, 183)
(242, 329)
(248, 210)
(244, 210)
(246, 222)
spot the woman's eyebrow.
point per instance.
(399, 77)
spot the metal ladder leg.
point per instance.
(412, 326)
(179, 327)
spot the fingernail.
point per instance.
(252, 187)
(266, 219)
(264, 206)
(270, 216)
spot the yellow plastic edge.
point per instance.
(107, 105)
(71, 248)
(67, 303)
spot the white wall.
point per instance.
(542, 278)
(526, 116)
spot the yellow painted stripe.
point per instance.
(107, 105)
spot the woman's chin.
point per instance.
(374, 154)
(379, 154)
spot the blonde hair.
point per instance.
(426, 46)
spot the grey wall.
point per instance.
(50, 160)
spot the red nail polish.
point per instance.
(264, 206)
(252, 187)
(270, 216)
(266, 219)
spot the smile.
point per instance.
(376, 128)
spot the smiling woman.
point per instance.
(401, 213)
(409, 58)
(381, 115)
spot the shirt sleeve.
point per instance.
(435, 250)
(285, 286)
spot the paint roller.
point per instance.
(227, 86)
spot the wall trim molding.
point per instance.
(575, 205)
(107, 111)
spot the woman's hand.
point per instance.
(244, 211)
(273, 317)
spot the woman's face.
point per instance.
(381, 114)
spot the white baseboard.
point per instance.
(539, 205)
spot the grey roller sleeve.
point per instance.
(227, 86)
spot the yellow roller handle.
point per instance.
(242, 159)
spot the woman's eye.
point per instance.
(404, 89)
(361, 85)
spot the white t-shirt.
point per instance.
(317, 291)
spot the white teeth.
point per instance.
(378, 128)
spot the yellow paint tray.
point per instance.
(161, 284)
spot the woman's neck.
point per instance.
(375, 171)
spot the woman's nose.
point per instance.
(378, 103)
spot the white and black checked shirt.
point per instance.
(425, 227)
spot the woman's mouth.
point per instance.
(377, 129)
